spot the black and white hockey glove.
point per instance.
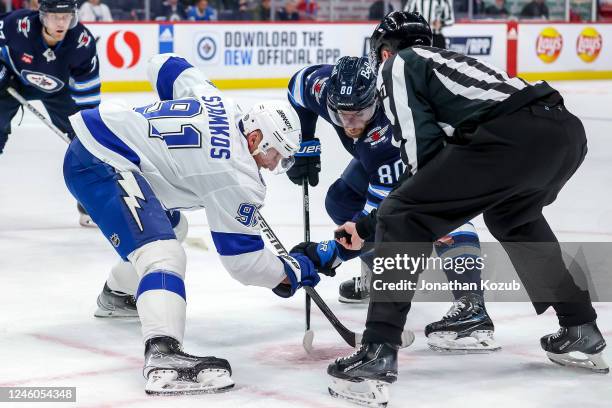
(307, 163)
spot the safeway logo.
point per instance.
(123, 49)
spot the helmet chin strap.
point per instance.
(256, 152)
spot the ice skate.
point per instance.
(84, 218)
(357, 289)
(364, 376)
(170, 371)
(584, 341)
(112, 303)
(466, 328)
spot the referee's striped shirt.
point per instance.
(433, 10)
(428, 92)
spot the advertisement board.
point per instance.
(565, 51)
(241, 55)
(252, 55)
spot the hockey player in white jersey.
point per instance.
(192, 149)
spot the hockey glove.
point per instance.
(307, 163)
(300, 271)
(324, 255)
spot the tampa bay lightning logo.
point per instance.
(44, 82)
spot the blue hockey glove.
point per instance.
(307, 163)
(300, 271)
(324, 255)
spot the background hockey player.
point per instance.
(193, 149)
(517, 146)
(47, 55)
(344, 95)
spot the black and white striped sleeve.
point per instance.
(415, 129)
(447, 14)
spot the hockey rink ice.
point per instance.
(52, 271)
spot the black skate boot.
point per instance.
(169, 370)
(84, 218)
(585, 339)
(112, 303)
(354, 291)
(364, 376)
(466, 328)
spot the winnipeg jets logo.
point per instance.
(23, 26)
(44, 82)
(84, 40)
(376, 135)
(49, 55)
(134, 193)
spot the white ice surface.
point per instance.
(52, 271)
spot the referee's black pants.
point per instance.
(510, 168)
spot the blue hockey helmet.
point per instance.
(47, 7)
(351, 93)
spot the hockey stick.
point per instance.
(36, 112)
(350, 337)
(308, 334)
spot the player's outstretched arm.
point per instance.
(237, 238)
(173, 77)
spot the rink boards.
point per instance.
(241, 55)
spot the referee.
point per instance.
(438, 13)
(513, 148)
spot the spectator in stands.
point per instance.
(535, 9)
(497, 10)
(377, 10)
(94, 10)
(202, 11)
(171, 10)
(288, 12)
(308, 9)
(24, 4)
(262, 11)
(244, 11)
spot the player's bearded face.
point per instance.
(57, 24)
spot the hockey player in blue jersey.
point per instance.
(344, 95)
(192, 149)
(47, 55)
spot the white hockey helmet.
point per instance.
(280, 127)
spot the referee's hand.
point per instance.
(347, 236)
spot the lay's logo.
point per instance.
(588, 44)
(549, 45)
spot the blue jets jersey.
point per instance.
(72, 63)
(374, 150)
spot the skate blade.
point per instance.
(86, 221)
(369, 393)
(591, 362)
(479, 342)
(342, 299)
(209, 381)
(105, 313)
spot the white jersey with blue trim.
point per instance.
(189, 149)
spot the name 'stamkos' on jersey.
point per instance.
(189, 149)
(72, 63)
(374, 150)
